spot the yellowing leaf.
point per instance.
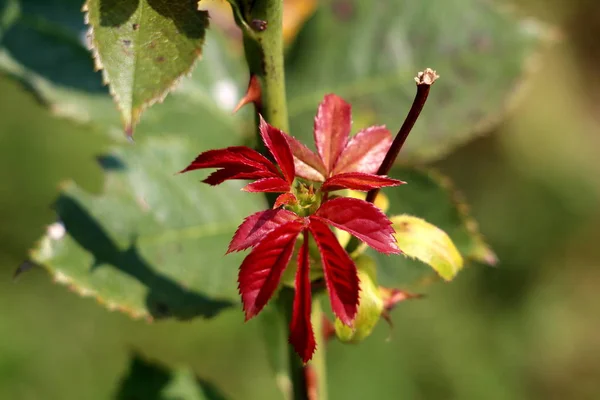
(370, 306)
(426, 242)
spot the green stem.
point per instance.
(265, 57)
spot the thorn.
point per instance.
(253, 94)
(25, 266)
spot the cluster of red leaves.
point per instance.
(341, 162)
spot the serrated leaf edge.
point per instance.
(159, 98)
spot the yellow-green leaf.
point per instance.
(419, 239)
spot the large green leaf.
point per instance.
(61, 72)
(144, 47)
(153, 243)
(430, 196)
(369, 51)
(147, 380)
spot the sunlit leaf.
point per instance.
(143, 48)
(152, 244)
(46, 49)
(368, 53)
(430, 196)
(427, 243)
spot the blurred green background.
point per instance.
(528, 329)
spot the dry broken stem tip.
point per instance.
(426, 77)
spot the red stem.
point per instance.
(424, 81)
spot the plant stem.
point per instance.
(265, 57)
(424, 81)
(261, 22)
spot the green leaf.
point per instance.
(373, 50)
(153, 243)
(427, 243)
(60, 72)
(430, 196)
(151, 381)
(144, 47)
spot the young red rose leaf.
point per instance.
(365, 151)
(308, 164)
(231, 157)
(284, 199)
(332, 128)
(257, 226)
(261, 270)
(268, 185)
(340, 272)
(358, 181)
(302, 336)
(361, 219)
(241, 172)
(279, 147)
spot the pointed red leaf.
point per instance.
(271, 185)
(225, 174)
(365, 151)
(302, 336)
(361, 219)
(358, 181)
(340, 272)
(231, 157)
(257, 226)
(261, 270)
(285, 199)
(279, 147)
(308, 164)
(332, 127)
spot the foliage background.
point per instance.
(527, 329)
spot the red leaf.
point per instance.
(284, 199)
(358, 181)
(272, 185)
(332, 127)
(257, 226)
(365, 151)
(279, 147)
(340, 272)
(232, 157)
(361, 219)
(302, 336)
(225, 174)
(308, 164)
(261, 270)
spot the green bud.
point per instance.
(370, 307)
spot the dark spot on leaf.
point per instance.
(343, 9)
(127, 42)
(160, 59)
(135, 27)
